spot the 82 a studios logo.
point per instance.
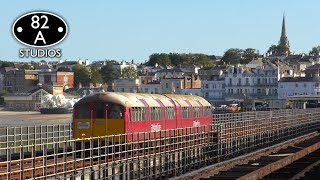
(40, 30)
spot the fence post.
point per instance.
(21, 162)
(9, 163)
(44, 169)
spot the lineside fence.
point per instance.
(28, 135)
(174, 153)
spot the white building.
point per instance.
(250, 83)
(126, 85)
(289, 86)
(123, 65)
(151, 88)
(213, 91)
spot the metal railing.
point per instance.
(28, 135)
(163, 154)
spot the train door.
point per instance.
(177, 114)
(115, 119)
(99, 123)
(147, 118)
(83, 121)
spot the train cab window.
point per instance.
(100, 110)
(115, 112)
(83, 112)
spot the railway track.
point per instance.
(70, 162)
(292, 161)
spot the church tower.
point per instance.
(284, 39)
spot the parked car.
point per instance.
(222, 108)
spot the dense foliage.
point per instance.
(176, 59)
(108, 73)
(81, 75)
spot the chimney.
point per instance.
(192, 80)
(185, 82)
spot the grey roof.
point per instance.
(171, 70)
(214, 68)
(313, 67)
(300, 79)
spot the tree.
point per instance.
(248, 55)
(232, 56)
(279, 49)
(129, 72)
(6, 64)
(26, 67)
(282, 49)
(81, 75)
(108, 73)
(315, 51)
(96, 75)
(160, 59)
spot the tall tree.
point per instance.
(160, 59)
(315, 51)
(248, 55)
(129, 72)
(108, 73)
(96, 75)
(26, 67)
(279, 49)
(232, 56)
(81, 75)
(6, 64)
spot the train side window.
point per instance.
(196, 112)
(170, 113)
(100, 110)
(207, 111)
(155, 113)
(143, 114)
(83, 111)
(185, 112)
(134, 114)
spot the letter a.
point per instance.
(39, 37)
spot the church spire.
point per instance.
(283, 32)
(284, 39)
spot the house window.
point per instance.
(258, 81)
(207, 85)
(305, 85)
(259, 91)
(239, 81)
(296, 85)
(247, 81)
(167, 85)
(207, 95)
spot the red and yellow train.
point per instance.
(111, 113)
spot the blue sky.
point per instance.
(135, 29)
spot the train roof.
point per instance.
(152, 100)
